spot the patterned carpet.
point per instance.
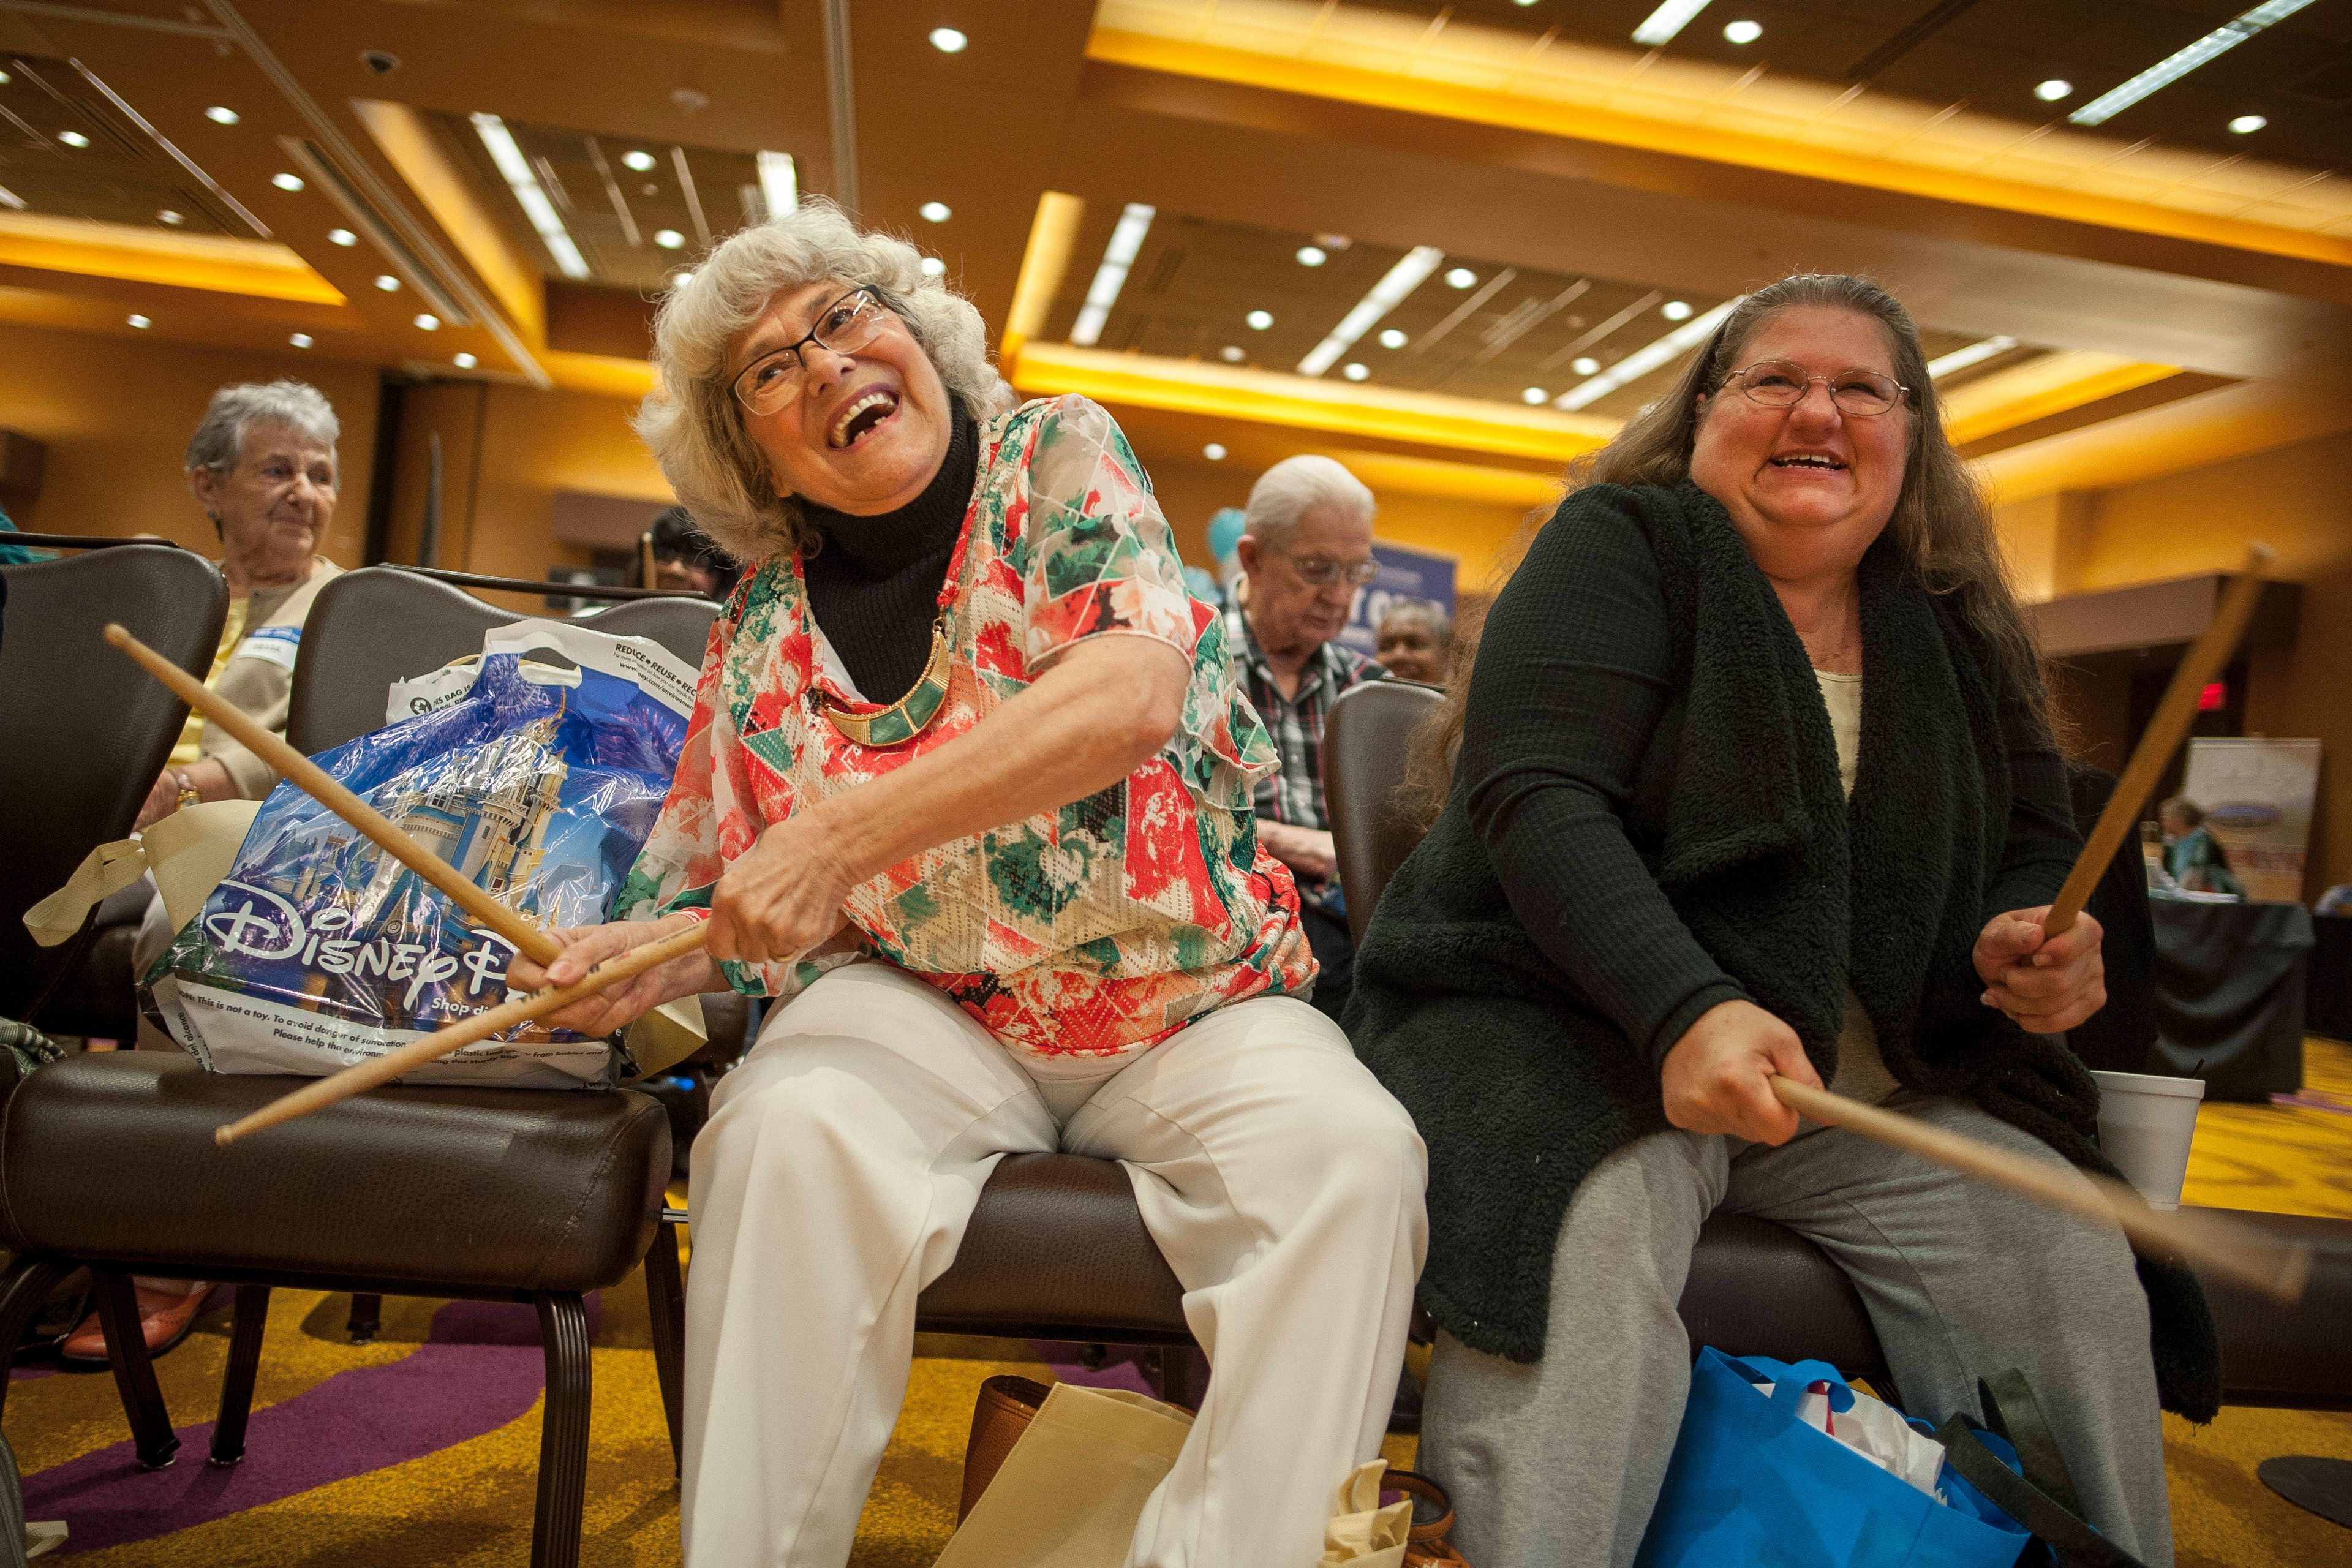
(422, 1448)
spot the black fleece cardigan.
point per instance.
(1646, 821)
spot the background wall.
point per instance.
(116, 414)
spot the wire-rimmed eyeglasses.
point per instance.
(1783, 384)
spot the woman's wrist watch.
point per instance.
(189, 794)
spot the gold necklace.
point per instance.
(911, 714)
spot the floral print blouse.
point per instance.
(1097, 930)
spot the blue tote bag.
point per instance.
(1752, 1484)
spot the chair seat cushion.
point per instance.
(110, 1157)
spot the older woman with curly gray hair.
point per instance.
(968, 790)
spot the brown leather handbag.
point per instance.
(1007, 1404)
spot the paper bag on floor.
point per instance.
(1069, 1493)
(1363, 1534)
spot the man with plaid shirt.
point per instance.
(1306, 551)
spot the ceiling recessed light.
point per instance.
(1523, 2)
(934, 268)
(681, 278)
(1743, 32)
(2053, 90)
(935, 212)
(287, 182)
(1312, 255)
(6, 78)
(1460, 277)
(342, 237)
(638, 159)
(141, 322)
(948, 41)
(73, 138)
(669, 238)
(1214, 451)
(1585, 365)
(1391, 338)
(1356, 369)
(1534, 394)
(1675, 310)
(2247, 124)
(428, 323)
(387, 282)
(1232, 354)
(464, 362)
(220, 114)
(169, 219)
(1259, 321)
(300, 340)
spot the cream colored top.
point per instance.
(1862, 1072)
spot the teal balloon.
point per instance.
(1226, 530)
(1203, 585)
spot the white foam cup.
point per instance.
(2146, 1123)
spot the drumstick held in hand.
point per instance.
(320, 1093)
(2203, 1240)
(2199, 668)
(315, 782)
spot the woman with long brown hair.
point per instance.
(1682, 851)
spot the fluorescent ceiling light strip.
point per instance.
(2220, 41)
(11, 200)
(1125, 241)
(517, 171)
(1386, 295)
(1642, 360)
(1666, 21)
(779, 183)
(1975, 353)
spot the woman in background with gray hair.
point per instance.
(262, 464)
(968, 789)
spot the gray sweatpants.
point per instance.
(1559, 1462)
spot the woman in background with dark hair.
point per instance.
(1685, 849)
(685, 559)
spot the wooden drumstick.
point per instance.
(315, 782)
(2199, 667)
(320, 1093)
(2205, 1241)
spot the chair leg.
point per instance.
(236, 1383)
(563, 1430)
(666, 1295)
(27, 1286)
(135, 1373)
(366, 1318)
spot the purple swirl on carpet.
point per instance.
(479, 1368)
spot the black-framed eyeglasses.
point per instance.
(846, 326)
(1783, 384)
(1319, 572)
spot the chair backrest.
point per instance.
(86, 730)
(371, 627)
(1366, 738)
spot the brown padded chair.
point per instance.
(1758, 1288)
(75, 783)
(533, 1195)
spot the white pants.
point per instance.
(842, 1163)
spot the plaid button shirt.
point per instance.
(1293, 793)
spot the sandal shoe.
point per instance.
(164, 1318)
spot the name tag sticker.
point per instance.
(279, 644)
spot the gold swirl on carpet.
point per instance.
(469, 1503)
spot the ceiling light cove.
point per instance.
(1411, 271)
(220, 114)
(1110, 277)
(1259, 321)
(523, 181)
(1667, 20)
(2179, 64)
(2053, 90)
(935, 212)
(1743, 33)
(948, 41)
(1312, 255)
(1644, 360)
(342, 237)
(779, 183)
(1460, 277)
(287, 182)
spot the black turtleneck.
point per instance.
(875, 585)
